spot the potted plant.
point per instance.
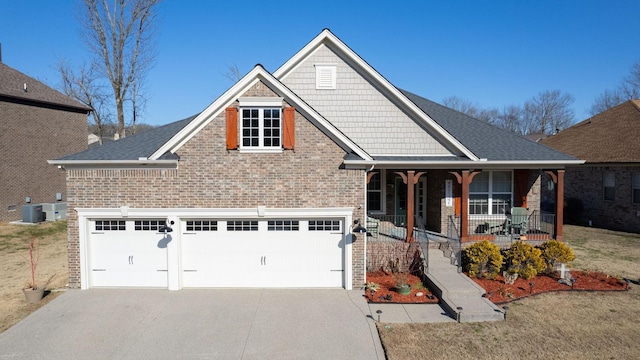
(402, 283)
(32, 292)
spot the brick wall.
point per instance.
(30, 136)
(585, 183)
(209, 176)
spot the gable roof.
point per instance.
(474, 133)
(328, 39)
(609, 137)
(159, 146)
(18, 87)
(503, 150)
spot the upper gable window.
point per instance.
(325, 76)
(261, 124)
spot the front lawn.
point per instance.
(566, 325)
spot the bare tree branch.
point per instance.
(85, 87)
(628, 89)
(120, 35)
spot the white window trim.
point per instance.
(490, 197)
(383, 193)
(261, 148)
(326, 75)
(260, 102)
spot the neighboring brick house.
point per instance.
(263, 187)
(605, 191)
(37, 123)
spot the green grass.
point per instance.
(18, 239)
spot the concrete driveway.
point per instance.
(197, 324)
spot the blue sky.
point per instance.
(493, 53)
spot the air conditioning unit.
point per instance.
(32, 213)
(54, 211)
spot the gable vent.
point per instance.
(325, 76)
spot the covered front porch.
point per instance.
(499, 205)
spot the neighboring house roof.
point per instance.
(18, 87)
(485, 140)
(609, 137)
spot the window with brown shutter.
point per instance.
(289, 134)
(232, 128)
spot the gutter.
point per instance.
(482, 164)
(141, 163)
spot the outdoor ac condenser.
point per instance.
(54, 211)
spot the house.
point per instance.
(38, 123)
(605, 191)
(264, 187)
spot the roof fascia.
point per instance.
(257, 74)
(534, 164)
(327, 37)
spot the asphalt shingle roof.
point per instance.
(483, 139)
(136, 146)
(609, 137)
(12, 85)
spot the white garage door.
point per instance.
(128, 253)
(262, 253)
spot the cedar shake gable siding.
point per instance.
(210, 176)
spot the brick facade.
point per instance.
(209, 176)
(585, 183)
(30, 135)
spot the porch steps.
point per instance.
(460, 296)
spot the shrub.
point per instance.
(524, 259)
(556, 252)
(483, 259)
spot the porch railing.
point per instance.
(534, 226)
(395, 226)
(453, 236)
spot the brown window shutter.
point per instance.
(288, 129)
(232, 128)
(521, 188)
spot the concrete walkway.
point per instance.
(197, 324)
(460, 296)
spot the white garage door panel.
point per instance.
(266, 256)
(123, 256)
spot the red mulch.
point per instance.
(499, 292)
(387, 288)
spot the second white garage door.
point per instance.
(262, 253)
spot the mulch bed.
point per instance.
(499, 293)
(387, 293)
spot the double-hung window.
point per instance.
(261, 124)
(490, 193)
